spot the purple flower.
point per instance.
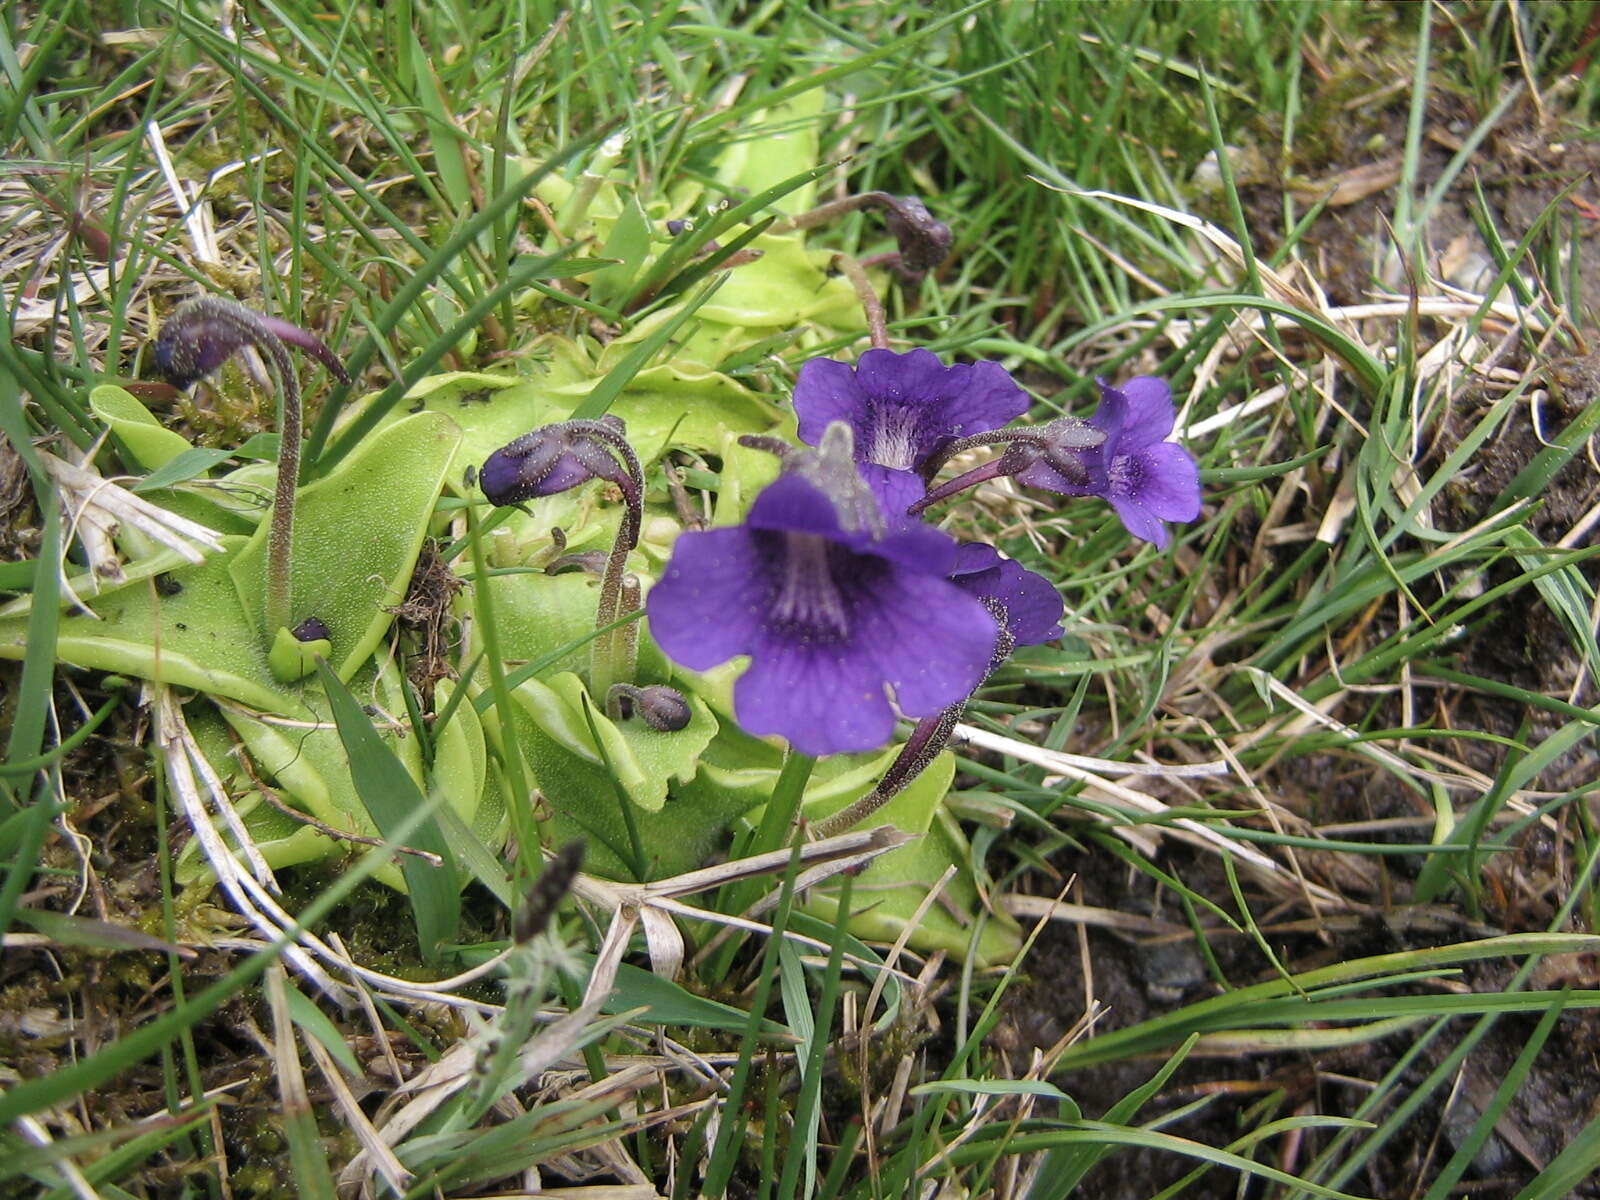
(903, 409)
(1032, 605)
(1147, 479)
(831, 614)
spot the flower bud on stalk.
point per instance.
(198, 338)
(555, 458)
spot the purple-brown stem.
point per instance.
(1056, 444)
(924, 241)
(834, 209)
(197, 339)
(625, 643)
(976, 441)
(877, 322)
(993, 469)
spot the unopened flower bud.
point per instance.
(312, 629)
(553, 459)
(662, 708)
(204, 333)
(924, 241)
(1067, 445)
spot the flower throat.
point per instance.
(808, 597)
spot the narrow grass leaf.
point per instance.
(609, 388)
(1064, 1166)
(307, 1159)
(1445, 1182)
(390, 796)
(725, 1153)
(31, 703)
(316, 1023)
(1578, 1161)
(95, 1163)
(808, 1110)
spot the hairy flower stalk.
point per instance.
(198, 338)
(871, 306)
(1060, 443)
(561, 456)
(622, 656)
(924, 242)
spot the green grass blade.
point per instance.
(390, 796)
(609, 388)
(1444, 1183)
(1578, 1161)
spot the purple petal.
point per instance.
(919, 634)
(501, 477)
(930, 639)
(824, 700)
(1170, 482)
(791, 504)
(1042, 475)
(900, 378)
(1149, 414)
(904, 407)
(1140, 522)
(896, 490)
(984, 397)
(916, 404)
(920, 548)
(712, 599)
(830, 619)
(508, 478)
(1112, 412)
(826, 391)
(975, 557)
(1032, 604)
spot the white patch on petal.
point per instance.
(894, 437)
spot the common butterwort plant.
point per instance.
(652, 694)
